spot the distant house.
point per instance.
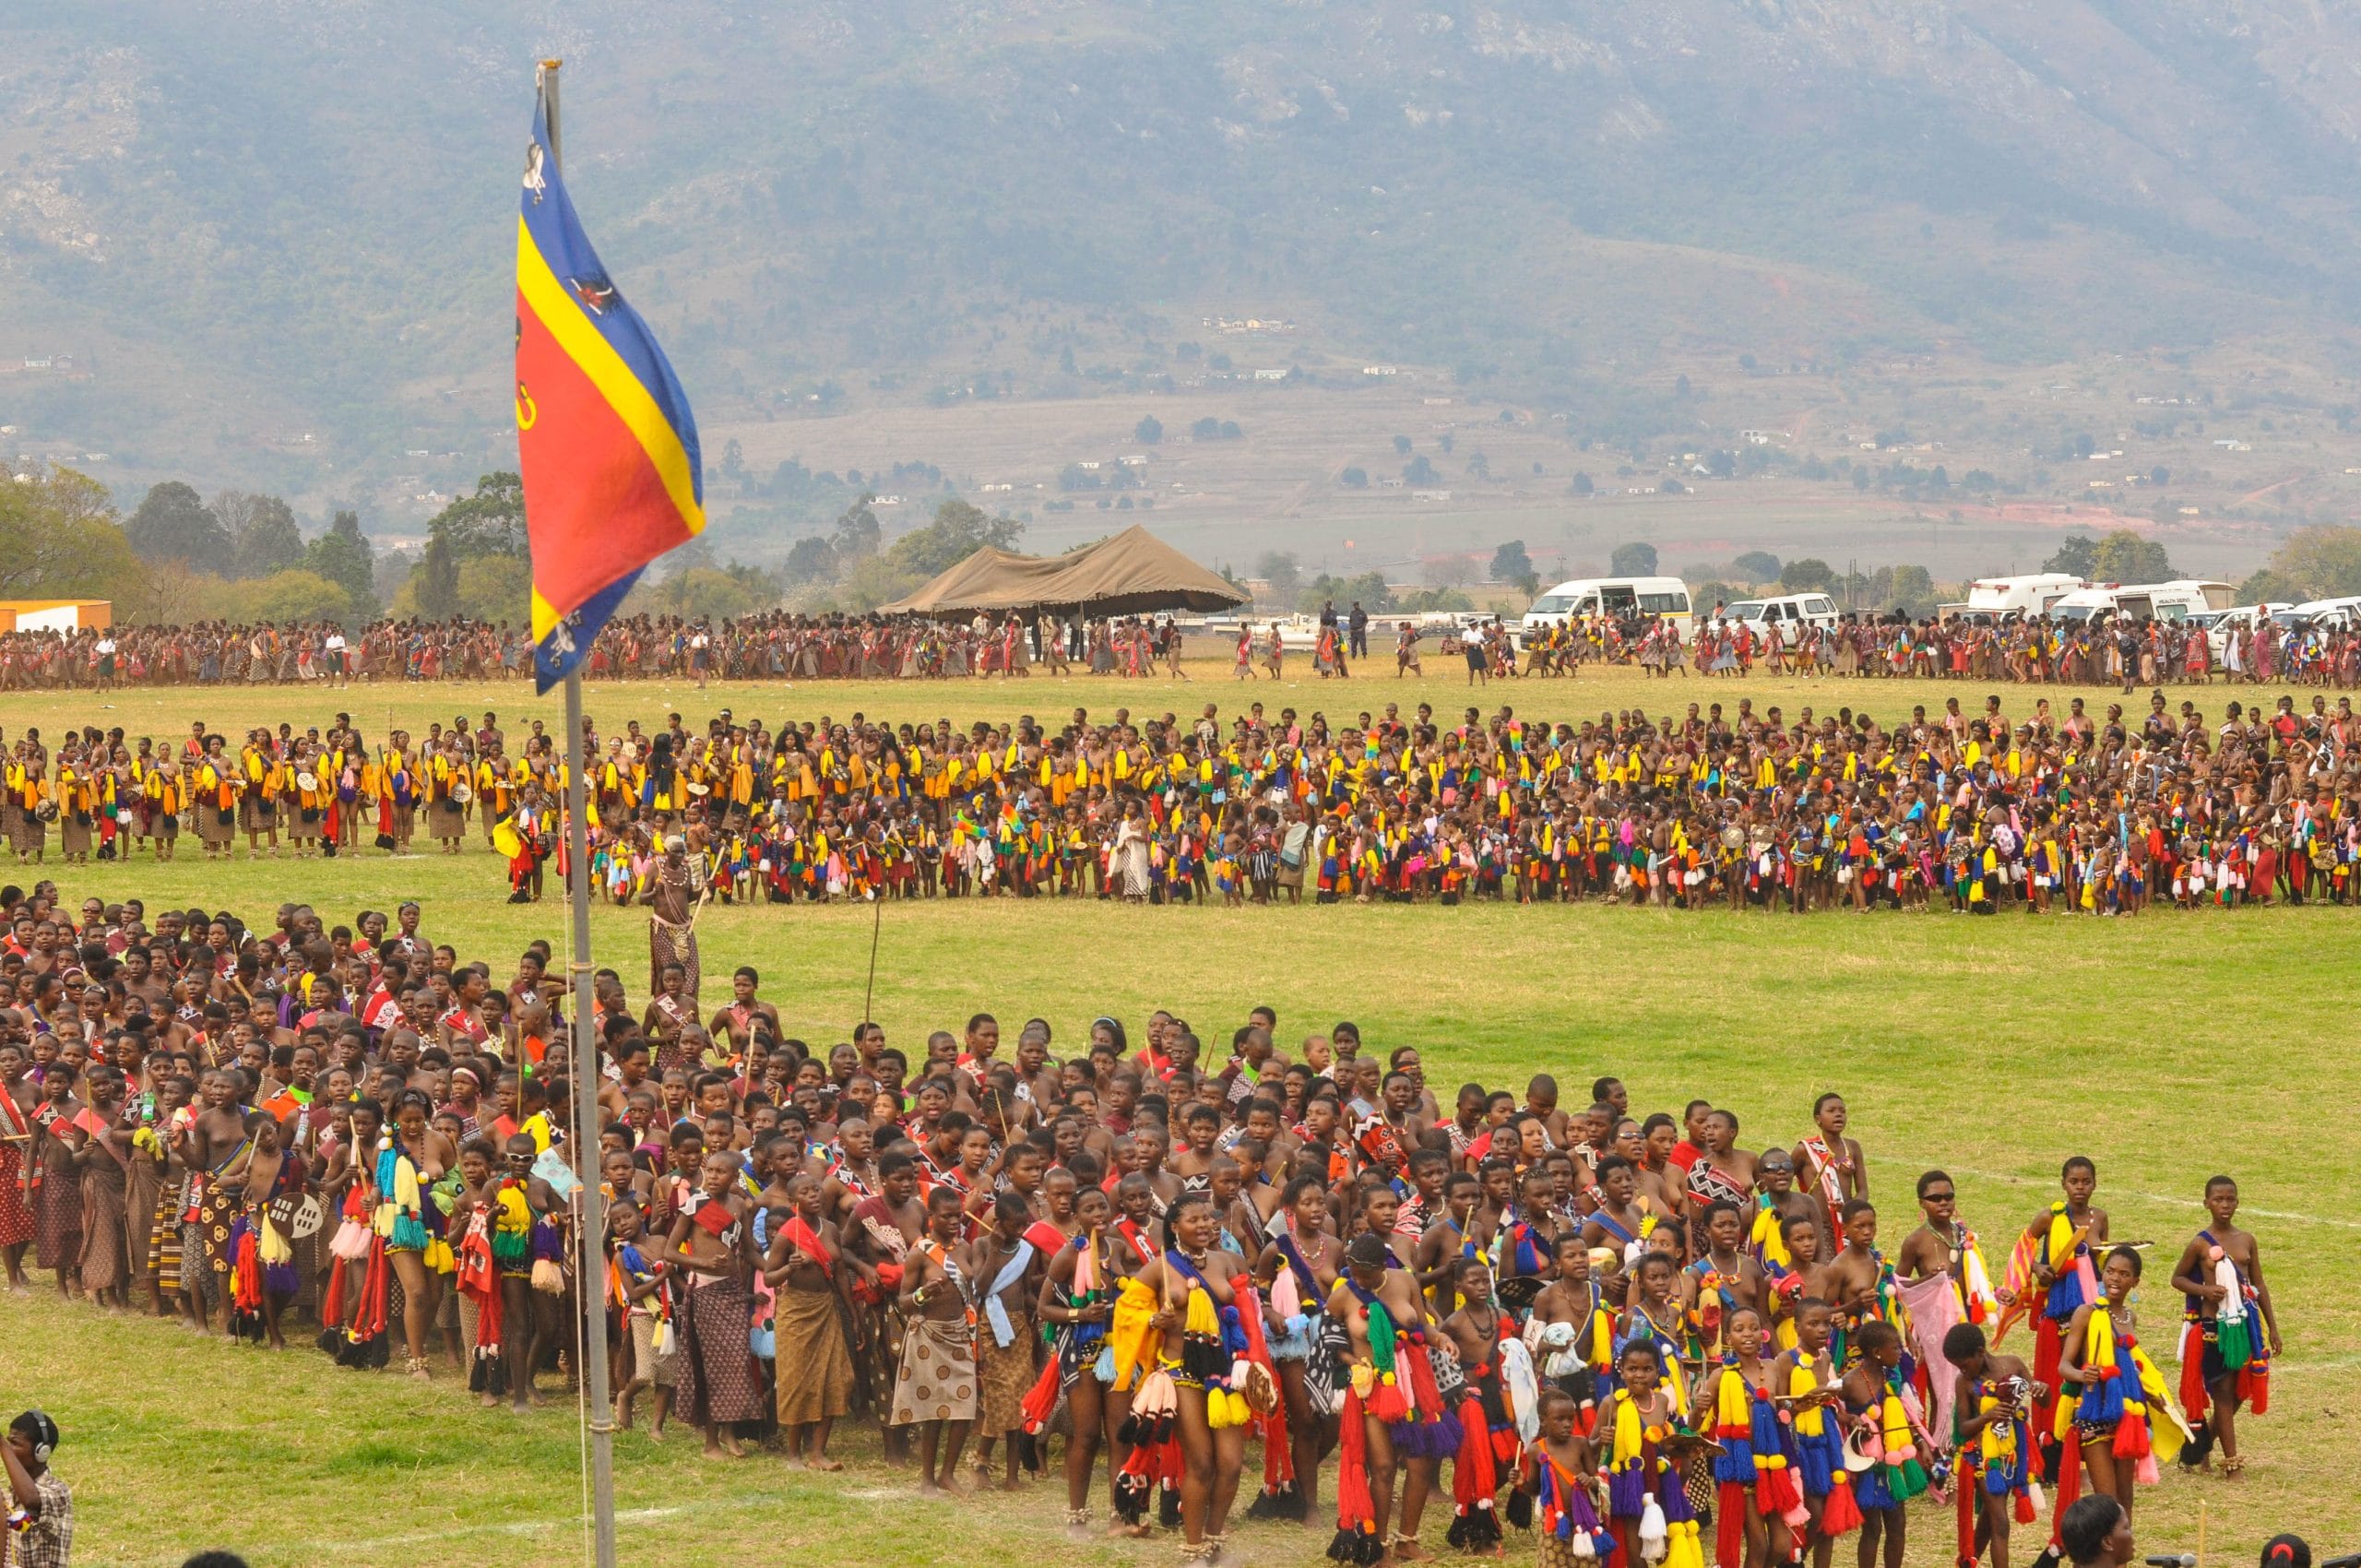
(1431, 495)
(1436, 402)
(1270, 376)
(995, 489)
(1136, 460)
(1378, 370)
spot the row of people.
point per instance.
(1632, 1331)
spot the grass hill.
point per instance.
(265, 241)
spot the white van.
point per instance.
(2220, 623)
(2082, 604)
(2175, 601)
(1661, 599)
(1788, 612)
(2331, 614)
(2031, 594)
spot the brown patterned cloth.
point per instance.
(1006, 1375)
(815, 1363)
(106, 1231)
(717, 1379)
(57, 1210)
(937, 1379)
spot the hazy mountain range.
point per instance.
(273, 240)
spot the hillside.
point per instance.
(270, 239)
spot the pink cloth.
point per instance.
(1933, 1305)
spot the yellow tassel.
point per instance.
(1201, 1320)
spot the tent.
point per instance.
(1132, 573)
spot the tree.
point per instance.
(172, 524)
(2269, 587)
(857, 533)
(1581, 485)
(2326, 562)
(1633, 561)
(959, 529)
(296, 594)
(1756, 567)
(1418, 470)
(262, 535)
(1511, 563)
(1910, 590)
(2125, 557)
(496, 588)
(343, 556)
(1149, 431)
(1809, 575)
(1401, 446)
(2077, 555)
(434, 589)
(1448, 571)
(489, 522)
(1282, 572)
(59, 539)
(1353, 479)
(810, 559)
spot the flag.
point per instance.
(604, 438)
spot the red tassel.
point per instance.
(1965, 1486)
(1356, 1508)
(1729, 1526)
(2194, 1401)
(2131, 1437)
(1041, 1400)
(2069, 1483)
(1278, 1453)
(332, 1306)
(1839, 1515)
(245, 1288)
(2254, 1387)
(2048, 1353)
(1388, 1403)
(1776, 1495)
(2022, 1511)
(1474, 1482)
(1418, 1381)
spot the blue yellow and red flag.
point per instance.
(604, 438)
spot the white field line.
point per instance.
(2244, 1210)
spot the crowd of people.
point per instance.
(2037, 810)
(1634, 1332)
(787, 645)
(768, 646)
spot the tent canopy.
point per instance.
(1133, 573)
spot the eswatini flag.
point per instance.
(604, 439)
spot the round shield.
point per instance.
(461, 793)
(306, 782)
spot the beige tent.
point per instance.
(1127, 574)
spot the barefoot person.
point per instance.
(935, 1387)
(719, 1385)
(2220, 1279)
(802, 1264)
(2119, 1422)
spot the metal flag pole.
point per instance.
(590, 1268)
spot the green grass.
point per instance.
(2166, 1047)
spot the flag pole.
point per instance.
(590, 1270)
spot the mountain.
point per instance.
(271, 239)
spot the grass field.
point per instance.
(2166, 1048)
